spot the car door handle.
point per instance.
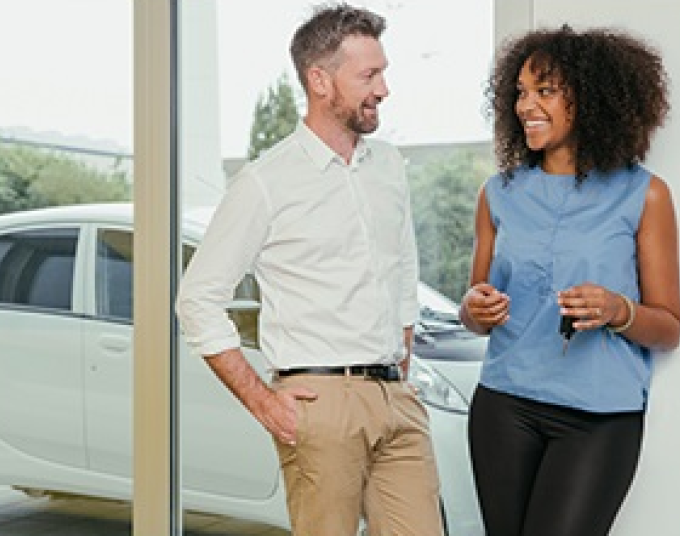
(115, 343)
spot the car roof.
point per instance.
(195, 219)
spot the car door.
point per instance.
(41, 370)
(225, 450)
(107, 347)
(216, 432)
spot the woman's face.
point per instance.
(545, 111)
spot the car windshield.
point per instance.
(434, 306)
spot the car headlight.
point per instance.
(434, 389)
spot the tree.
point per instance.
(444, 194)
(33, 178)
(274, 118)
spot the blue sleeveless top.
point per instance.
(551, 235)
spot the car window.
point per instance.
(114, 285)
(244, 311)
(113, 274)
(36, 268)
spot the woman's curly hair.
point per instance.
(616, 82)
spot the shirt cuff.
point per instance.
(215, 346)
(410, 313)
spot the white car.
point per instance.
(66, 382)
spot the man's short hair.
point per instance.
(318, 39)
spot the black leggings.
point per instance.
(545, 470)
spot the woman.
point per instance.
(572, 227)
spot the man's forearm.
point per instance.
(234, 371)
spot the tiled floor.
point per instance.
(68, 516)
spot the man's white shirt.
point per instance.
(331, 245)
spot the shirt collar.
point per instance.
(320, 153)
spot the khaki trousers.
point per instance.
(363, 449)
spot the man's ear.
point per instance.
(319, 81)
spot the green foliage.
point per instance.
(33, 178)
(444, 195)
(274, 118)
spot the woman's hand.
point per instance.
(484, 307)
(593, 306)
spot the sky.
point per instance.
(67, 67)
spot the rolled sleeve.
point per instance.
(227, 252)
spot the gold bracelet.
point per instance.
(631, 316)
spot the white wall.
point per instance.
(652, 507)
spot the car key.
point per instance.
(566, 330)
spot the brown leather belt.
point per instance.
(387, 373)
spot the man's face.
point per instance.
(359, 84)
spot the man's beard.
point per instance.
(354, 120)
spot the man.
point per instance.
(323, 220)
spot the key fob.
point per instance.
(567, 326)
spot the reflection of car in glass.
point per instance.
(66, 346)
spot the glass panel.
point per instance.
(65, 144)
(439, 52)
